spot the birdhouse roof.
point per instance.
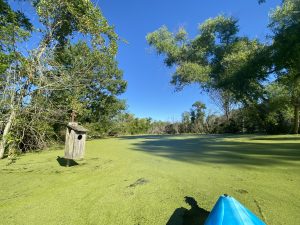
(77, 127)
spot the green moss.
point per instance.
(144, 179)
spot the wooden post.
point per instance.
(73, 115)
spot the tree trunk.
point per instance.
(3, 143)
(226, 105)
(296, 119)
(227, 113)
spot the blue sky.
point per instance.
(149, 92)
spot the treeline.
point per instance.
(269, 117)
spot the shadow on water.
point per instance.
(64, 162)
(277, 138)
(218, 149)
(147, 137)
(193, 216)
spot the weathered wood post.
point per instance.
(75, 140)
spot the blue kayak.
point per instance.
(228, 211)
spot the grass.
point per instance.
(145, 179)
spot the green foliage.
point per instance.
(189, 73)
(185, 126)
(285, 24)
(261, 1)
(241, 63)
(158, 127)
(273, 115)
(281, 59)
(285, 50)
(166, 43)
(69, 17)
(280, 115)
(203, 59)
(97, 81)
(197, 117)
(129, 124)
(60, 75)
(14, 27)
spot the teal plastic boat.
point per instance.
(228, 211)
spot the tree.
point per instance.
(207, 59)
(158, 127)
(61, 75)
(279, 110)
(280, 59)
(14, 28)
(197, 117)
(97, 82)
(185, 122)
(285, 50)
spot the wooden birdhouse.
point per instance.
(75, 141)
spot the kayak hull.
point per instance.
(228, 211)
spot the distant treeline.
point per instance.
(268, 118)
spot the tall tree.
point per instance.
(197, 117)
(97, 82)
(14, 28)
(280, 60)
(208, 58)
(185, 122)
(285, 50)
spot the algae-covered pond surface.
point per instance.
(145, 179)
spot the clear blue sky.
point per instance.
(149, 93)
